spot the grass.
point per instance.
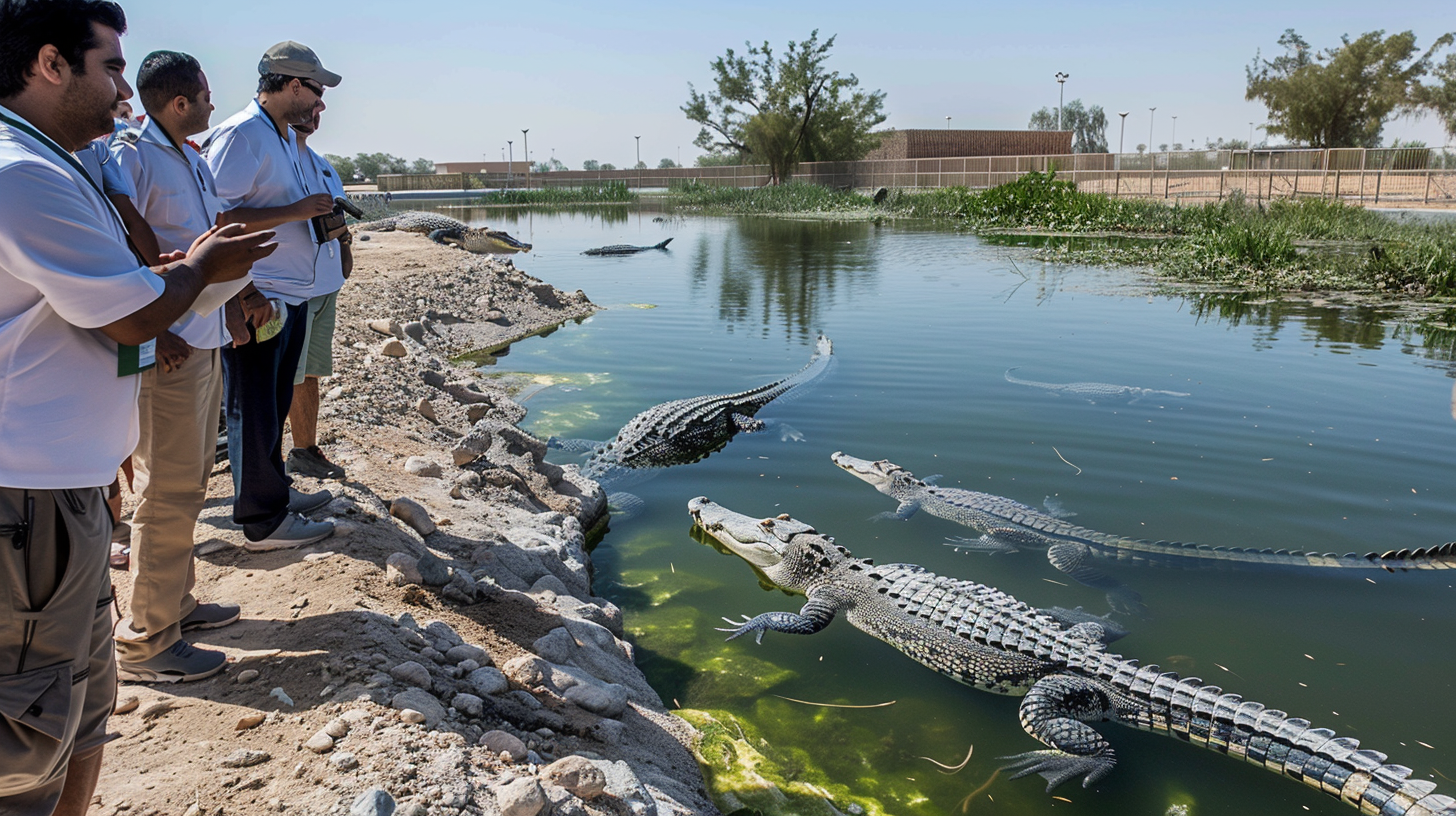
(604, 193)
(784, 199)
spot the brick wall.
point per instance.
(930, 144)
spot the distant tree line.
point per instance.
(1088, 125)
(369, 166)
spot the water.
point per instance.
(1308, 427)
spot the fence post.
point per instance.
(1363, 153)
(1426, 199)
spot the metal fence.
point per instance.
(1375, 176)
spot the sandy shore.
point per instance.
(450, 655)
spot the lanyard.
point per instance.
(292, 153)
(194, 167)
(76, 166)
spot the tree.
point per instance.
(640, 165)
(1141, 149)
(1441, 99)
(344, 165)
(666, 164)
(551, 165)
(1341, 96)
(1088, 125)
(608, 166)
(720, 159)
(423, 167)
(372, 165)
(782, 111)
(591, 164)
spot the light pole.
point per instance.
(511, 165)
(1173, 144)
(639, 149)
(1122, 131)
(947, 123)
(1251, 135)
(526, 148)
(1061, 94)
(1151, 111)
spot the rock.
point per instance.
(252, 720)
(126, 704)
(281, 695)
(432, 570)
(393, 348)
(549, 583)
(522, 797)
(344, 761)
(463, 456)
(556, 646)
(388, 328)
(608, 700)
(412, 513)
(476, 412)
(245, 758)
(493, 315)
(488, 681)
(498, 742)
(443, 634)
(461, 588)
(422, 467)
(527, 670)
(468, 704)
(409, 715)
(426, 410)
(412, 674)
(402, 568)
(422, 702)
(415, 330)
(338, 728)
(320, 743)
(467, 651)
(247, 675)
(334, 393)
(372, 803)
(624, 784)
(578, 775)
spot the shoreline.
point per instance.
(443, 647)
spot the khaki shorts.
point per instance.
(57, 665)
(318, 317)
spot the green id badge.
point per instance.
(135, 359)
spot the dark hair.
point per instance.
(166, 75)
(27, 26)
(273, 83)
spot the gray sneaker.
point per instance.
(211, 616)
(180, 664)
(301, 502)
(295, 531)
(310, 461)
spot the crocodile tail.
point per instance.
(1188, 710)
(1177, 553)
(662, 245)
(817, 366)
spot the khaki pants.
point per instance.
(57, 666)
(173, 459)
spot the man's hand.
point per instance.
(172, 351)
(320, 204)
(227, 253)
(237, 322)
(256, 307)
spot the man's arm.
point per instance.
(346, 253)
(141, 232)
(260, 218)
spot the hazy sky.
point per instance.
(453, 81)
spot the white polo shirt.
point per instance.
(176, 194)
(66, 418)
(329, 267)
(256, 166)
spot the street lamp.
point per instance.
(639, 148)
(947, 123)
(511, 167)
(1251, 135)
(1061, 94)
(526, 148)
(1151, 111)
(1123, 130)
(1174, 141)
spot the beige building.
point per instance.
(501, 167)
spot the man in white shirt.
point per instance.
(254, 159)
(77, 311)
(175, 193)
(334, 263)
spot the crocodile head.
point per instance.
(786, 551)
(883, 474)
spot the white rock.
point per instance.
(338, 728)
(410, 715)
(426, 410)
(402, 568)
(386, 327)
(412, 513)
(578, 775)
(344, 761)
(320, 743)
(422, 467)
(523, 797)
(334, 393)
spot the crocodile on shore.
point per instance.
(987, 639)
(626, 249)
(421, 222)
(481, 240)
(1010, 526)
(1093, 391)
(684, 431)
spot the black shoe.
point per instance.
(310, 461)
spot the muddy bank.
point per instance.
(442, 650)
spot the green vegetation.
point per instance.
(369, 166)
(796, 197)
(782, 111)
(1088, 125)
(607, 192)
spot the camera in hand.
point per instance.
(331, 225)
(348, 206)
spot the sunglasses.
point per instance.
(318, 90)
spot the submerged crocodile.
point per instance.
(684, 431)
(987, 639)
(626, 249)
(421, 222)
(482, 240)
(1010, 526)
(1093, 391)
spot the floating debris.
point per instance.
(833, 705)
(951, 769)
(1064, 459)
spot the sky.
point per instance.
(450, 80)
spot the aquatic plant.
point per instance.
(606, 192)
(794, 197)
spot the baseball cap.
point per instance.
(295, 59)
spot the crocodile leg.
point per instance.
(815, 615)
(1055, 711)
(901, 513)
(747, 424)
(1071, 559)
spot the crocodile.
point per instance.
(626, 249)
(481, 240)
(414, 221)
(1010, 526)
(1066, 678)
(684, 431)
(1093, 391)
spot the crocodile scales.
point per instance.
(1010, 526)
(987, 639)
(684, 431)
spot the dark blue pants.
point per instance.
(258, 383)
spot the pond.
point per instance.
(1307, 426)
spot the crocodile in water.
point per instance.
(1010, 526)
(625, 249)
(684, 431)
(1093, 391)
(984, 638)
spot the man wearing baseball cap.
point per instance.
(254, 158)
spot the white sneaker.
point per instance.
(295, 531)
